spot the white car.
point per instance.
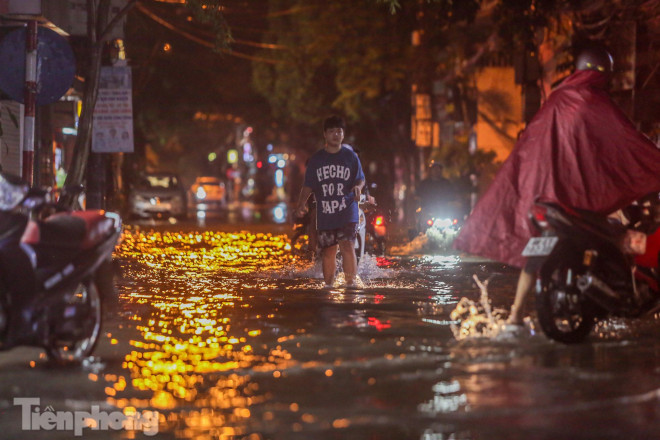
(159, 195)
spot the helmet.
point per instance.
(595, 58)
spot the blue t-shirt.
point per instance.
(331, 176)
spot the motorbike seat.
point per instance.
(98, 226)
(602, 223)
(77, 229)
(593, 221)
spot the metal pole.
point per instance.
(30, 101)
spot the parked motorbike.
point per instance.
(303, 239)
(592, 267)
(49, 261)
(376, 228)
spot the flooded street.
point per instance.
(228, 335)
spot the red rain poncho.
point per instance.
(579, 150)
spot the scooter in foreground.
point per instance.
(592, 268)
(49, 262)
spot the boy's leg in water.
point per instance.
(349, 260)
(525, 285)
(329, 263)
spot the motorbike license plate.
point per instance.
(539, 246)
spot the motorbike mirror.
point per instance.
(12, 191)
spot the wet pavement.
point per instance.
(222, 332)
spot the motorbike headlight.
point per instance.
(12, 191)
(201, 194)
(443, 222)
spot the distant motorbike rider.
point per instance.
(435, 190)
(580, 150)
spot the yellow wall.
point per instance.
(500, 110)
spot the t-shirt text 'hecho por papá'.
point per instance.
(332, 176)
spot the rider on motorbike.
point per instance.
(438, 200)
(579, 150)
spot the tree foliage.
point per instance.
(190, 93)
(343, 56)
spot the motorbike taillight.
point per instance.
(538, 214)
(379, 220)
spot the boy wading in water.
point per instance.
(334, 174)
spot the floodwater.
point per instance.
(228, 335)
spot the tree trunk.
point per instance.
(98, 30)
(96, 19)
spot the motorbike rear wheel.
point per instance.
(75, 328)
(375, 245)
(564, 313)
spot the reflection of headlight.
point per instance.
(442, 222)
(201, 194)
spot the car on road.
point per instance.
(157, 195)
(208, 193)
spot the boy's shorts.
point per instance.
(332, 237)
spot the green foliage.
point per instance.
(446, 10)
(209, 12)
(355, 58)
(458, 162)
(519, 20)
(342, 56)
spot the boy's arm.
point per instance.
(357, 189)
(301, 207)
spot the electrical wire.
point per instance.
(201, 41)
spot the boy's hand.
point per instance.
(301, 211)
(357, 190)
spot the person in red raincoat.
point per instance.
(579, 150)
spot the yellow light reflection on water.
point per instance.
(189, 353)
(240, 252)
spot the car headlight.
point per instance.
(12, 191)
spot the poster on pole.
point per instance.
(113, 114)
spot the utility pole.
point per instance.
(31, 41)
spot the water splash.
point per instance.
(433, 240)
(477, 319)
(415, 247)
(373, 271)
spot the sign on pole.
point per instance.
(113, 114)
